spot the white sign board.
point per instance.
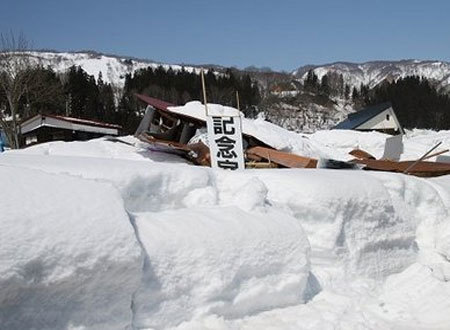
(225, 142)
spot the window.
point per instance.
(387, 117)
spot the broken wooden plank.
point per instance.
(409, 168)
(260, 165)
(436, 154)
(282, 158)
(422, 169)
(361, 154)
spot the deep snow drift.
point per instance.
(68, 254)
(100, 234)
(209, 261)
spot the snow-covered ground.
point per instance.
(108, 235)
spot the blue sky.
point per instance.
(280, 34)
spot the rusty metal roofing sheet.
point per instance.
(282, 158)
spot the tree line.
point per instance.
(77, 94)
(181, 86)
(330, 85)
(417, 101)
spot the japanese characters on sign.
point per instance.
(225, 142)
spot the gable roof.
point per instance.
(73, 120)
(78, 124)
(85, 121)
(360, 117)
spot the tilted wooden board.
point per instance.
(282, 158)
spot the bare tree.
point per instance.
(16, 65)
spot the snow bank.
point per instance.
(221, 261)
(344, 141)
(222, 250)
(419, 297)
(349, 214)
(143, 185)
(97, 148)
(426, 204)
(240, 240)
(69, 256)
(416, 142)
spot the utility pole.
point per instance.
(204, 91)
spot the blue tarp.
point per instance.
(2, 141)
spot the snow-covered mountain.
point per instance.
(373, 73)
(113, 68)
(293, 110)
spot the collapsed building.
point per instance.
(175, 129)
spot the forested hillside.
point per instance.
(419, 102)
(304, 101)
(180, 87)
(416, 101)
(78, 94)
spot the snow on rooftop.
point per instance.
(271, 134)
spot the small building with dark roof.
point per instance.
(45, 128)
(380, 117)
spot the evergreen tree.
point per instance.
(311, 81)
(355, 94)
(416, 102)
(106, 106)
(341, 86)
(324, 86)
(84, 95)
(347, 91)
(45, 94)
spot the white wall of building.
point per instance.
(384, 120)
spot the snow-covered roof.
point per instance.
(268, 133)
(259, 129)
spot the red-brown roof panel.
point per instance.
(157, 104)
(85, 121)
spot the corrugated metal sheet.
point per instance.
(281, 158)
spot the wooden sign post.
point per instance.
(224, 137)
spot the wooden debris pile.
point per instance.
(171, 132)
